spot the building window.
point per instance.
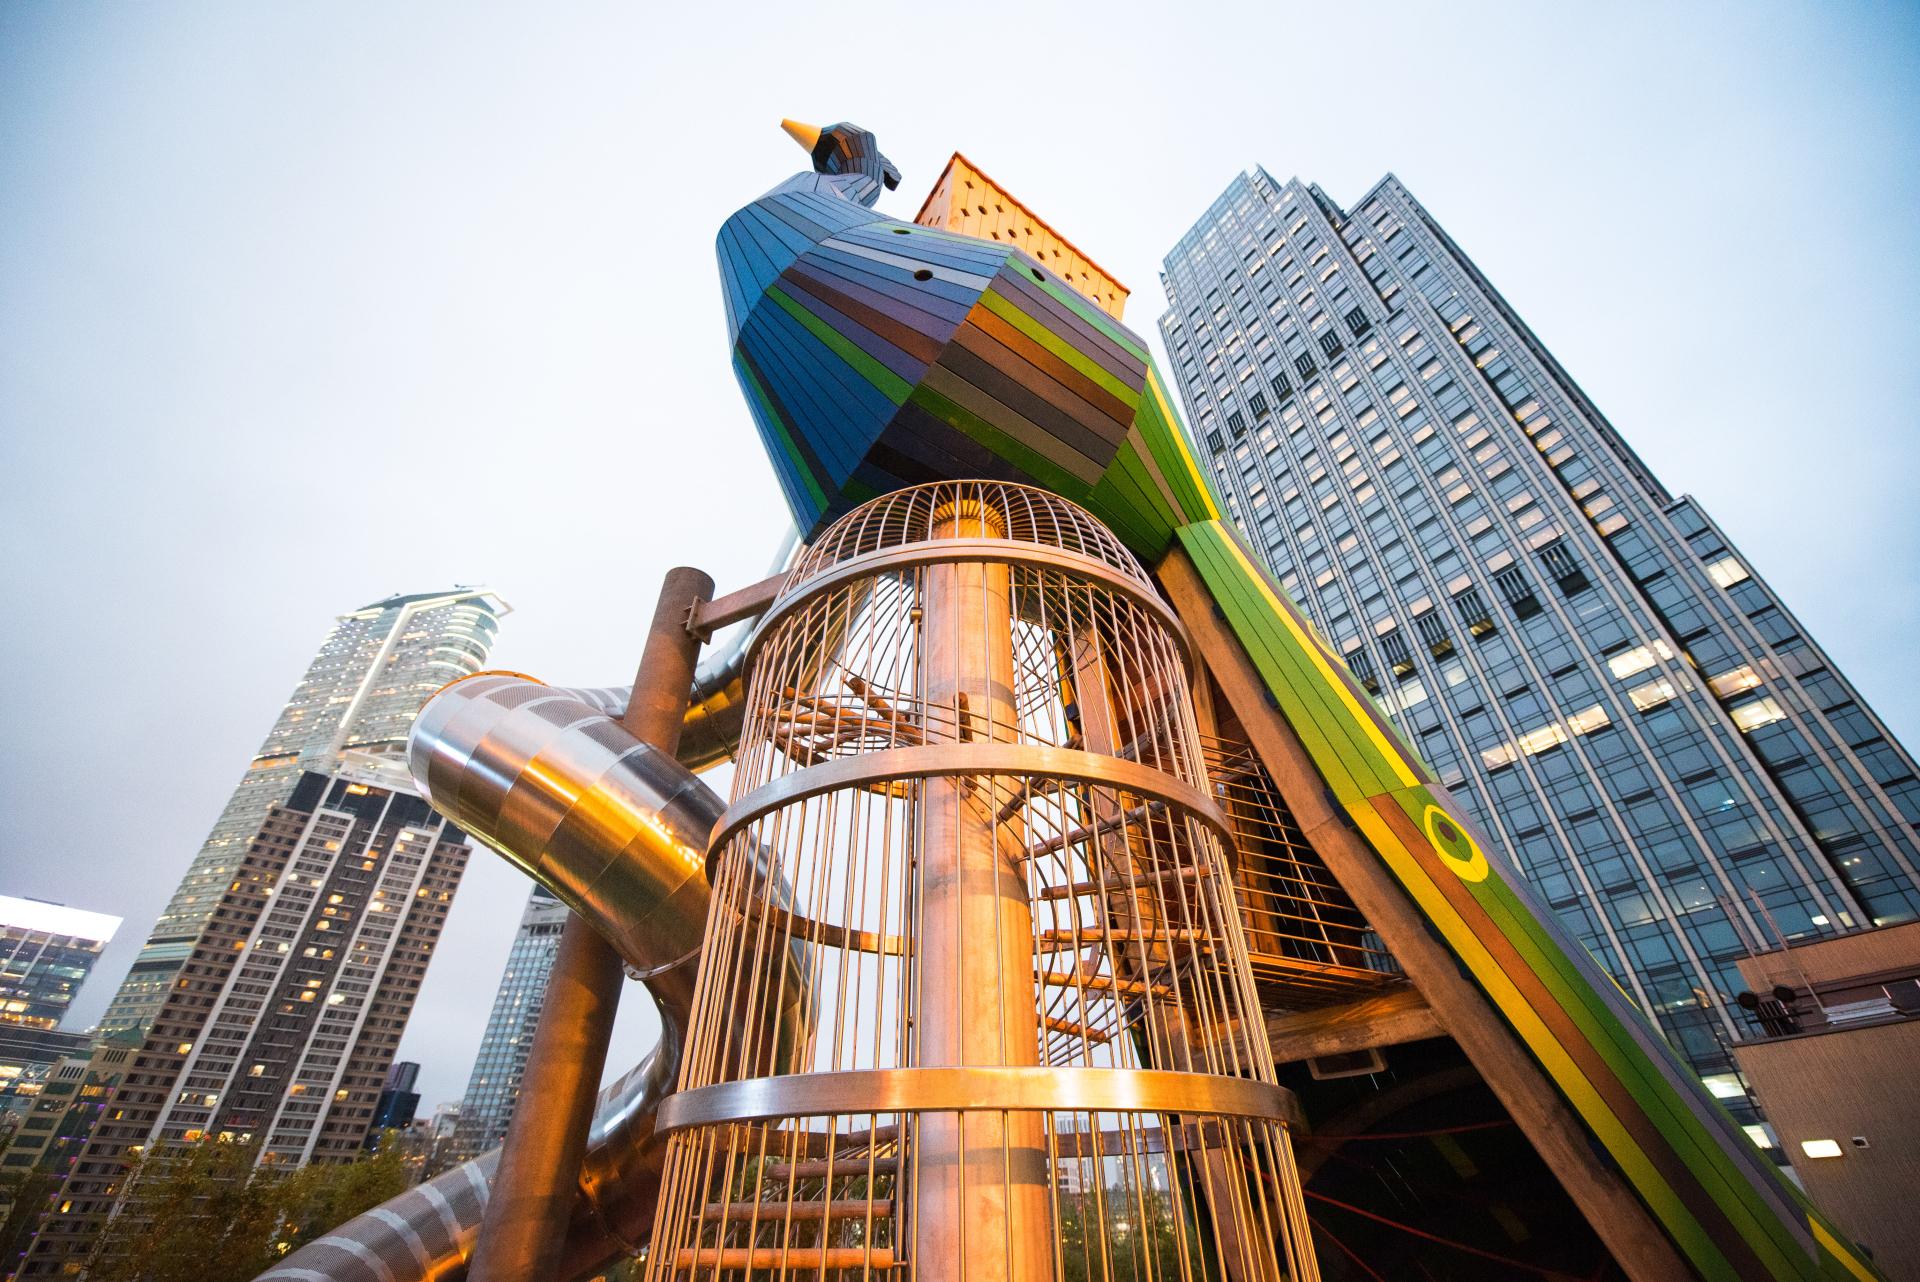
(1473, 612)
(1304, 363)
(1518, 592)
(1330, 344)
(1238, 422)
(1761, 712)
(1357, 322)
(1433, 634)
(1394, 646)
(1727, 571)
(1258, 404)
(1564, 569)
(1362, 667)
(1282, 389)
(1216, 442)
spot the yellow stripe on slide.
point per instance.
(1382, 745)
(1522, 1018)
(1178, 436)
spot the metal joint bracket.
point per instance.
(704, 618)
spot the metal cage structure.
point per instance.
(973, 848)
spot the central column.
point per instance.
(982, 1203)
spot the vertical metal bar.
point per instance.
(977, 1001)
(537, 1182)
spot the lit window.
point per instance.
(1494, 758)
(1589, 720)
(1820, 1148)
(1727, 571)
(1737, 681)
(1761, 712)
(1760, 1135)
(1652, 694)
(1724, 1086)
(1551, 736)
(1639, 659)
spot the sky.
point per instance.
(304, 305)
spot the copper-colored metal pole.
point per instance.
(983, 1177)
(537, 1182)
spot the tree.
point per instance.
(210, 1212)
(316, 1199)
(200, 1212)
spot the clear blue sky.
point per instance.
(301, 305)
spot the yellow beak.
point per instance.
(807, 136)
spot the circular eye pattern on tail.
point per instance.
(1458, 850)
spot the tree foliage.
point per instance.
(205, 1212)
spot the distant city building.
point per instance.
(46, 951)
(494, 1086)
(1583, 657)
(283, 1024)
(52, 1133)
(440, 1131)
(1829, 1049)
(375, 669)
(397, 1104)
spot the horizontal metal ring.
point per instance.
(972, 552)
(942, 760)
(985, 1089)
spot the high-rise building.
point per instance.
(494, 1086)
(1584, 657)
(375, 669)
(292, 999)
(54, 1129)
(46, 951)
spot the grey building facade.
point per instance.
(375, 669)
(291, 1003)
(1583, 657)
(494, 1086)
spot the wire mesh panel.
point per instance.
(974, 999)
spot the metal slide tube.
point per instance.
(618, 830)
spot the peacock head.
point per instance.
(844, 149)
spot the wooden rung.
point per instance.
(1074, 836)
(1102, 983)
(1071, 1029)
(1054, 940)
(841, 1168)
(1121, 883)
(779, 1212)
(785, 1258)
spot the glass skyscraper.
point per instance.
(1584, 658)
(46, 951)
(494, 1087)
(375, 669)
